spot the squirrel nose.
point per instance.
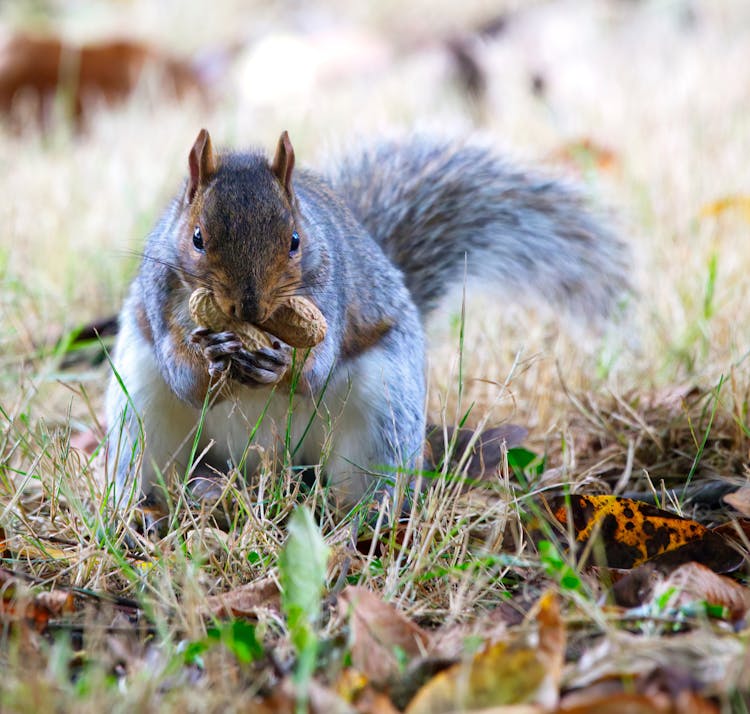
(249, 309)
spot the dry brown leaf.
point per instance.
(350, 683)
(665, 689)
(41, 550)
(740, 500)
(382, 636)
(17, 602)
(625, 703)
(705, 656)
(352, 686)
(283, 700)
(373, 702)
(503, 674)
(737, 530)
(694, 582)
(4, 550)
(551, 633)
(323, 700)
(491, 627)
(246, 600)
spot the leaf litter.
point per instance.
(623, 574)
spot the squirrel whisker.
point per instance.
(177, 269)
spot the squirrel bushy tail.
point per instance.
(436, 206)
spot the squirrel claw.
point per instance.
(216, 346)
(217, 368)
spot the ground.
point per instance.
(644, 103)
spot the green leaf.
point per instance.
(557, 567)
(302, 566)
(302, 572)
(525, 463)
(239, 638)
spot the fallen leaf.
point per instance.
(630, 532)
(39, 550)
(370, 701)
(4, 550)
(246, 600)
(624, 703)
(739, 500)
(320, 699)
(388, 538)
(737, 531)
(490, 627)
(350, 684)
(503, 674)
(705, 656)
(17, 601)
(713, 551)
(283, 700)
(383, 639)
(693, 582)
(664, 690)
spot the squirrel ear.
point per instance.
(283, 162)
(202, 164)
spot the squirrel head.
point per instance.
(241, 234)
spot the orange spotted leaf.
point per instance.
(631, 532)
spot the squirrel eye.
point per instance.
(198, 239)
(294, 247)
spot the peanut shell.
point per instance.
(297, 322)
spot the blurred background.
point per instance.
(646, 102)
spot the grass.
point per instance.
(657, 401)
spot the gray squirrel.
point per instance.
(375, 244)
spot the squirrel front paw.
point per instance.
(262, 367)
(217, 348)
(224, 351)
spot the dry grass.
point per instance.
(663, 85)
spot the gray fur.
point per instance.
(430, 202)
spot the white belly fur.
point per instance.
(342, 432)
(230, 425)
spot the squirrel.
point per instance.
(375, 244)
